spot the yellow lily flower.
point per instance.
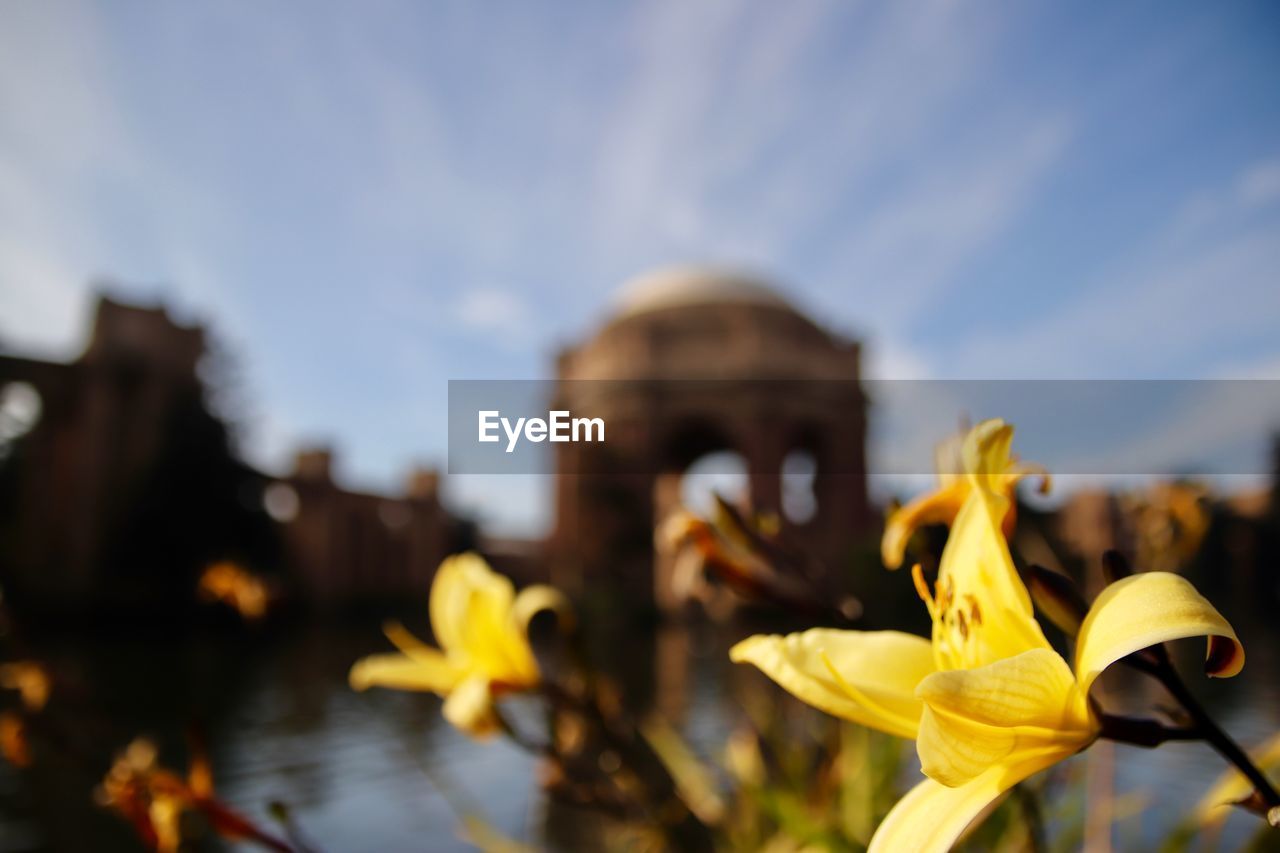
(482, 628)
(1002, 474)
(987, 699)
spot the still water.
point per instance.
(381, 771)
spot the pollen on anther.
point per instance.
(975, 612)
(946, 593)
(922, 589)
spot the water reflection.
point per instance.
(380, 770)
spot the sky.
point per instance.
(364, 201)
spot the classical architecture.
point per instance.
(103, 423)
(346, 546)
(118, 485)
(125, 486)
(696, 361)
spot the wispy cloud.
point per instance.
(503, 317)
(1163, 308)
(57, 137)
(368, 201)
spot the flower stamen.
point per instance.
(975, 612)
(922, 590)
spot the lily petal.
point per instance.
(466, 591)
(1022, 470)
(470, 707)
(868, 677)
(406, 642)
(938, 507)
(471, 615)
(976, 565)
(987, 454)
(532, 600)
(932, 816)
(1143, 610)
(401, 672)
(1021, 705)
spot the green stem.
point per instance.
(1214, 734)
(1138, 731)
(1156, 663)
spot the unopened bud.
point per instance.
(1058, 598)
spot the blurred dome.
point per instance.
(689, 322)
(683, 286)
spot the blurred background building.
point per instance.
(120, 485)
(123, 486)
(697, 362)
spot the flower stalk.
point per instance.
(1156, 662)
(1207, 729)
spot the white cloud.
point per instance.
(56, 134)
(1260, 184)
(1253, 189)
(867, 154)
(1267, 367)
(919, 240)
(889, 358)
(1219, 428)
(498, 312)
(1207, 277)
(41, 298)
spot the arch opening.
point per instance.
(20, 410)
(722, 472)
(799, 476)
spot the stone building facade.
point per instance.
(347, 546)
(693, 362)
(102, 420)
(127, 486)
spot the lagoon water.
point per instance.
(382, 771)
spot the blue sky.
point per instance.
(366, 200)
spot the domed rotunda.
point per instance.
(690, 322)
(694, 361)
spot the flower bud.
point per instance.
(1058, 598)
(1114, 566)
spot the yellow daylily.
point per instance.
(482, 626)
(1002, 474)
(987, 699)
